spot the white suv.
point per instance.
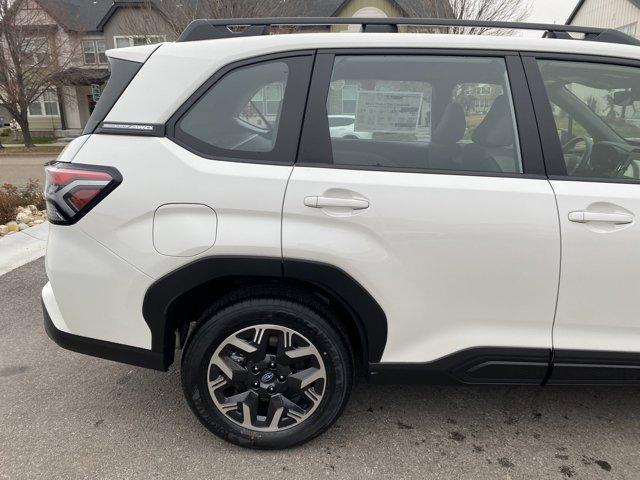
(484, 230)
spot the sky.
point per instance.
(548, 11)
(551, 11)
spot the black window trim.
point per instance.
(287, 138)
(314, 149)
(551, 145)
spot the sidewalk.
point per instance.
(23, 247)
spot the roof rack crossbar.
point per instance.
(205, 29)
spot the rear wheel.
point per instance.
(267, 373)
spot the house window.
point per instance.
(35, 51)
(137, 40)
(629, 29)
(46, 105)
(94, 52)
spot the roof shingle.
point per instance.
(87, 15)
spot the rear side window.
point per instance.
(253, 112)
(423, 112)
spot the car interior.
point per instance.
(489, 146)
(595, 113)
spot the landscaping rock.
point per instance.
(13, 227)
(4, 229)
(24, 217)
(22, 226)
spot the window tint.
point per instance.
(241, 112)
(476, 99)
(423, 112)
(596, 108)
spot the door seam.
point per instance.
(555, 312)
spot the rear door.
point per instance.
(590, 113)
(439, 207)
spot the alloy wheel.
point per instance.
(266, 378)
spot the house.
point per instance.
(98, 25)
(623, 15)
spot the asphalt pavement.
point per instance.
(18, 169)
(65, 415)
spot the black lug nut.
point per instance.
(272, 365)
(271, 389)
(281, 378)
(255, 369)
(255, 384)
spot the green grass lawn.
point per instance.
(19, 141)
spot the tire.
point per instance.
(262, 398)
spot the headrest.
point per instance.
(452, 125)
(496, 129)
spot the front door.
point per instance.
(595, 173)
(435, 206)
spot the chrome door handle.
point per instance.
(584, 217)
(328, 202)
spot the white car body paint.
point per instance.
(598, 300)
(438, 253)
(455, 261)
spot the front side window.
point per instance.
(596, 109)
(251, 113)
(423, 112)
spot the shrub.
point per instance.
(12, 197)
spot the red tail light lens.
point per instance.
(72, 189)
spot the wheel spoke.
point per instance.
(247, 402)
(293, 411)
(230, 369)
(300, 352)
(311, 394)
(242, 344)
(304, 378)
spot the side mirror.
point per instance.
(625, 98)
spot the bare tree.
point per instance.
(33, 57)
(169, 18)
(489, 10)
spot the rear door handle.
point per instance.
(584, 217)
(328, 202)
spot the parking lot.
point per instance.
(65, 415)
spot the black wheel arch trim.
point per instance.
(370, 319)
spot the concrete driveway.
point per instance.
(65, 415)
(18, 169)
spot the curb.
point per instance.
(23, 247)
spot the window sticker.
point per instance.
(378, 111)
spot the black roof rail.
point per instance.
(207, 29)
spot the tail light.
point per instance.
(72, 189)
